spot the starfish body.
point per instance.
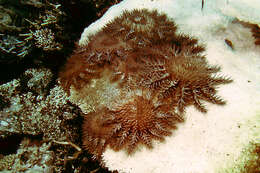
(158, 72)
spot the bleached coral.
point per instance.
(157, 72)
(204, 143)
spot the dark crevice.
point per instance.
(10, 144)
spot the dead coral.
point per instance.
(154, 72)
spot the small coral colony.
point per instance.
(158, 73)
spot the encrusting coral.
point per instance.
(153, 74)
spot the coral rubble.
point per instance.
(138, 76)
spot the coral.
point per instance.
(45, 29)
(33, 109)
(30, 158)
(7, 20)
(45, 39)
(34, 106)
(152, 74)
(11, 45)
(38, 80)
